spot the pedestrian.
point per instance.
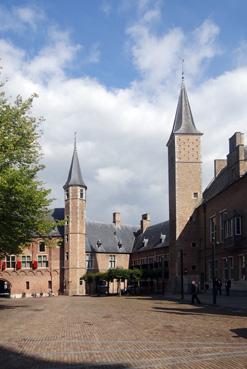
(219, 286)
(228, 286)
(194, 290)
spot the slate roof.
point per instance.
(153, 236)
(56, 214)
(75, 177)
(113, 239)
(103, 238)
(184, 122)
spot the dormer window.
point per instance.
(99, 243)
(145, 242)
(120, 244)
(162, 237)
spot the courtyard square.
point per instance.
(120, 332)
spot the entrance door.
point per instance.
(5, 288)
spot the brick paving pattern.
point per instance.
(126, 332)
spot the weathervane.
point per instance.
(182, 70)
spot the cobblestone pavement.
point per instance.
(119, 332)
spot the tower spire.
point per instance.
(75, 176)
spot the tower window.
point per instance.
(82, 193)
(66, 238)
(195, 195)
(66, 255)
(67, 194)
(41, 247)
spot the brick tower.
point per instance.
(184, 162)
(74, 229)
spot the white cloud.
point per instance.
(122, 132)
(20, 18)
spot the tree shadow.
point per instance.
(201, 310)
(240, 332)
(8, 307)
(13, 360)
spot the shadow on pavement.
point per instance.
(13, 360)
(6, 307)
(200, 309)
(240, 332)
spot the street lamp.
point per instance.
(163, 274)
(213, 269)
(182, 273)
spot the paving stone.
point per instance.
(119, 332)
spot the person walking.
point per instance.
(228, 286)
(194, 291)
(219, 286)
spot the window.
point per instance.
(49, 285)
(42, 247)
(66, 255)
(237, 226)
(212, 228)
(10, 261)
(193, 267)
(112, 261)
(66, 194)
(195, 195)
(67, 220)
(26, 261)
(27, 285)
(242, 267)
(89, 261)
(193, 244)
(82, 193)
(66, 238)
(42, 261)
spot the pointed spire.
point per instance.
(184, 122)
(75, 177)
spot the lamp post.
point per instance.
(213, 269)
(163, 274)
(182, 273)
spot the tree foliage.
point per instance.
(23, 199)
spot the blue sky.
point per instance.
(111, 70)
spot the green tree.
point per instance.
(23, 199)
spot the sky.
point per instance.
(110, 70)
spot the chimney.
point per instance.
(145, 222)
(117, 219)
(236, 140)
(219, 164)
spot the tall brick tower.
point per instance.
(184, 162)
(74, 234)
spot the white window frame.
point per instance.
(43, 263)
(10, 261)
(26, 261)
(112, 261)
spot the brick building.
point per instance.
(199, 223)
